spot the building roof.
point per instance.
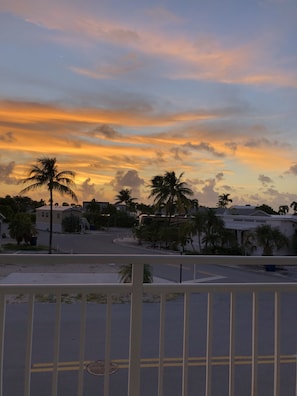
(59, 208)
(245, 210)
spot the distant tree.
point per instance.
(170, 192)
(283, 209)
(198, 227)
(270, 239)
(267, 209)
(144, 208)
(214, 228)
(125, 272)
(71, 224)
(194, 205)
(21, 228)
(7, 212)
(93, 207)
(223, 200)
(294, 207)
(9, 206)
(93, 214)
(125, 196)
(45, 173)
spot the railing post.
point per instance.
(2, 339)
(27, 386)
(135, 330)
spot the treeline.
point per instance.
(9, 206)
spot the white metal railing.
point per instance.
(281, 342)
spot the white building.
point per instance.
(242, 219)
(59, 213)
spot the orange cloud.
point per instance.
(81, 142)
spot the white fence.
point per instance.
(190, 339)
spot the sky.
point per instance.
(121, 91)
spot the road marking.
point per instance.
(167, 362)
(209, 279)
(210, 276)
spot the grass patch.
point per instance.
(16, 247)
(96, 298)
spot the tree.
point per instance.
(45, 173)
(144, 208)
(170, 192)
(283, 209)
(214, 229)
(93, 213)
(267, 209)
(71, 224)
(223, 200)
(294, 207)
(199, 222)
(9, 206)
(125, 196)
(125, 272)
(270, 239)
(21, 228)
(194, 205)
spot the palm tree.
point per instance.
(125, 273)
(294, 206)
(45, 173)
(214, 229)
(171, 192)
(199, 222)
(125, 196)
(270, 239)
(194, 205)
(223, 200)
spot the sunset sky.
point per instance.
(120, 91)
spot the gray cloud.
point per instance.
(220, 176)
(293, 170)
(231, 145)
(7, 137)
(265, 180)
(260, 142)
(88, 189)
(226, 187)
(178, 153)
(6, 172)
(129, 179)
(206, 195)
(107, 132)
(204, 147)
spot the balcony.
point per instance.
(164, 339)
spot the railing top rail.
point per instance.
(120, 288)
(145, 259)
